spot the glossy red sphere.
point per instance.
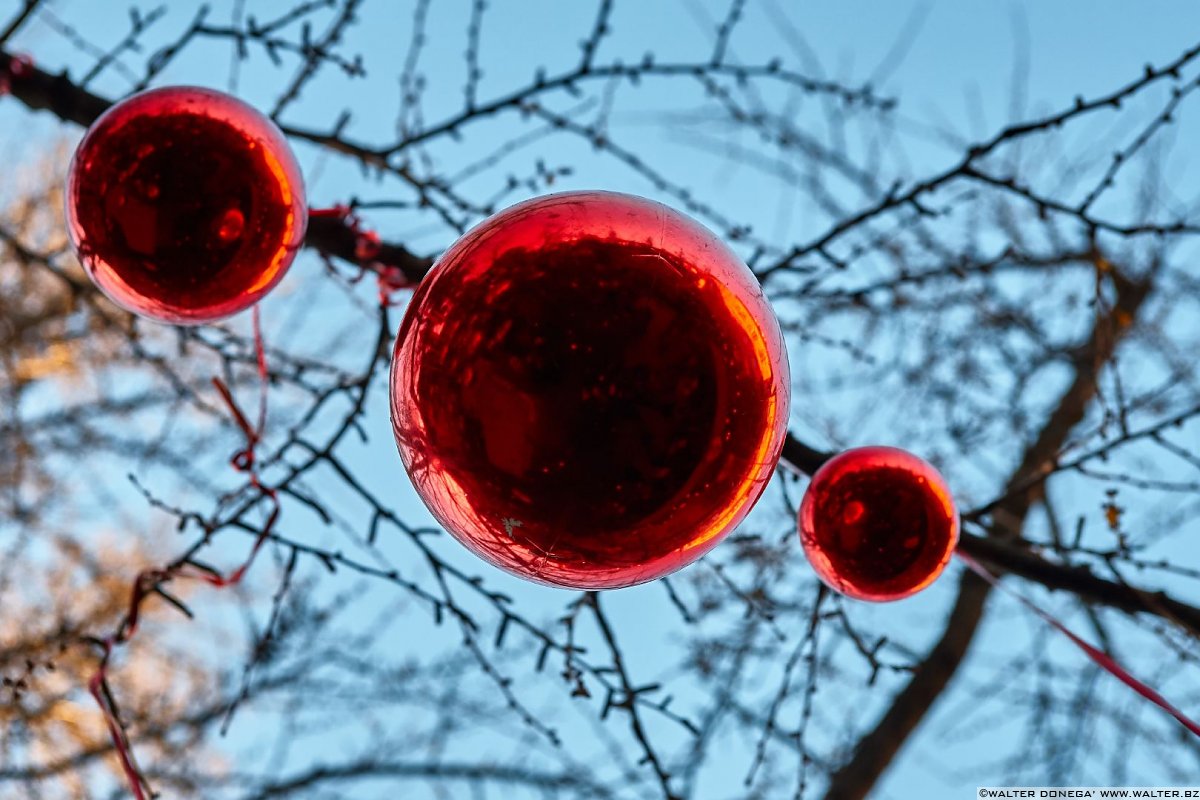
(185, 205)
(878, 523)
(589, 390)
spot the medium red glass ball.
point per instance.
(589, 390)
(185, 205)
(878, 523)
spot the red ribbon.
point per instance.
(149, 580)
(1099, 656)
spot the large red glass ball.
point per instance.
(589, 390)
(878, 523)
(185, 205)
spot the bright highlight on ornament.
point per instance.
(878, 523)
(185, 205)
(589, 390)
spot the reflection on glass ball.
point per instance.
(185, 205)
(589, 390)
(878, 523)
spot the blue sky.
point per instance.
(957, 69)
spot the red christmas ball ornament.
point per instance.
(589, 390)
(185, 205)
(878, 523)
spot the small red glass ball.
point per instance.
(185, 205)
(589, 390)
(878, 523)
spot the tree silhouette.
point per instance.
(1022, 315)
